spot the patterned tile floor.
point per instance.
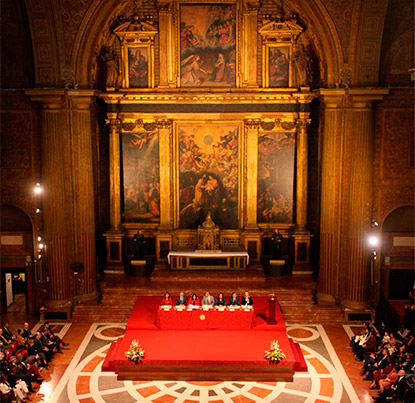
(83, 381)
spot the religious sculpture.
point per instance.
(208, 235)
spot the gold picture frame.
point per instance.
(208, 50)
(137, 54)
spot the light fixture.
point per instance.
(41, 246)
(373, 240)
(38, 189)
(37, 210)
(39, 238)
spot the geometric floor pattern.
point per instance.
(325, 381)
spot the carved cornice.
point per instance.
(194, 97)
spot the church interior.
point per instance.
(153, 146)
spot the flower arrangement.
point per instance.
(135, 353)
(274, 354)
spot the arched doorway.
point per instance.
(398, 254)
(16, 264)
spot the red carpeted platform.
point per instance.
(211, 354)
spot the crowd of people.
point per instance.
(208, 300)
(22, 357)
(388, 361)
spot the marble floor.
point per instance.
(76, 375)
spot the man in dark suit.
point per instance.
(233, 300)
(41, 348)
(181, 299)
(26, 331)
(7, 333)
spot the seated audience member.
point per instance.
(47, 342)
(7, 333)
(5, 366)
(208, 299)
(3, 340)
(6, 391)
(181, 299)
(194, 301)
(41, 348)
(233, 300)
(34, 355)
(49, 333)
(364, 333)
(380, 362)
(367, 347)
(21, 339)
(16, 377)
(402, 333)
(247, 300)
(220, 300)
(26, 331)
(167, 300)
(26, 368)
(381, 374)
(396, 389)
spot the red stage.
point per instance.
(225, 353)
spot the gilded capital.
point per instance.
(114, 124)
(302, 123)
(252, 124)
(164, 123)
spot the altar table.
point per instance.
(224, 260)
(200, 319)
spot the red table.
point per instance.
(200, 319)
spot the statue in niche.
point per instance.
(110, 61)
(208, 235)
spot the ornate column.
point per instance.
(67, 182)
(249, 50)
(115, 234)
(346, 195)
(167, 44)
(83, 190)
(301, 234)
(358, 197)
(252, 235)
(331, 175)
(56, 185)
(164, 129)
(301, 173)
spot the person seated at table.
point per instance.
(181, 299)
(233, 300)
(208, 299)
(246, 300)
(167, 299)
(220, 300)
(194, 301)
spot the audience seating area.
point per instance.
(388, 361)
(22, 357)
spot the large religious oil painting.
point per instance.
(208, 45)
(138, 67)
(141, 176)
(276, 159)
(208, 174)
(279, 66)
